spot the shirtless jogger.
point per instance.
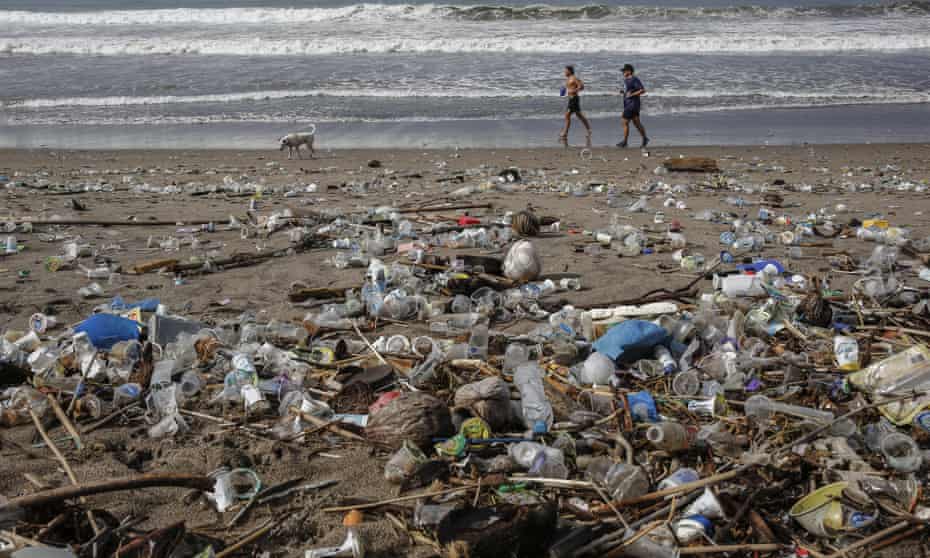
(573, 88)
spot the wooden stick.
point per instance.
(447, 207)
(372, 349)
(718, 549)
(149, 480)
(604, 496)
(112, 223)
(400, 499)
(65, 421)
(919, 332)
(105, 420)
(25, 541)
(64, 464)
(24, 449)
(870, 539)
(247, 540)
(686, 487)
(320, 422)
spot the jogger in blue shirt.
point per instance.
(632, 91)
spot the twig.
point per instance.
(719, 549)
(64, 464)
(610, 504)
(247, 540)
(870, 539)
(686, 487)
(372, 349)
(400, 499)
(105, 420)
(329, 425)
(65, 421)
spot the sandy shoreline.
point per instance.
(48, 183)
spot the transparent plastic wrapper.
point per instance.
(597, 369)
(539, 459)
(522, 262)
(623, 480)
(404, 463)
(900, 374)
(20, 402)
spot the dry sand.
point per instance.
(406, 177)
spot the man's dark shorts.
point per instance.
(574, 104)
(630, 113)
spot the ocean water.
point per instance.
(284, 64)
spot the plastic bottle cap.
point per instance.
(539, 427)
(352, 519)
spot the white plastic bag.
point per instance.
(522, 263)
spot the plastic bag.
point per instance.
(630, 340)
(522, 263)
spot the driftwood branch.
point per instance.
(150, 480)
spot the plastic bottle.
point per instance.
(125, 394)
(670, 436)
(454, 324)
(678, 478)
(762, 408)
(537, 412)
(739, 285)
(664, 356)
(515, 355)
(478, 342)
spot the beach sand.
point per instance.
(406, 177)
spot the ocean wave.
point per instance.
(40, 119)
(748, 43)
(840, 97)
(380, 12)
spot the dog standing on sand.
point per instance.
(294, 140)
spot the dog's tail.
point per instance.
(312, 129)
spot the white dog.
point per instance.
(294, 140)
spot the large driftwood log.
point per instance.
(691, 164)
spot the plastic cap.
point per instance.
(352, 519)
(539, 427)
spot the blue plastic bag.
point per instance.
(106, 330)
(630, 341)
(147, 305)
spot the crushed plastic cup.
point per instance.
(823, 512)
(901, 452)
